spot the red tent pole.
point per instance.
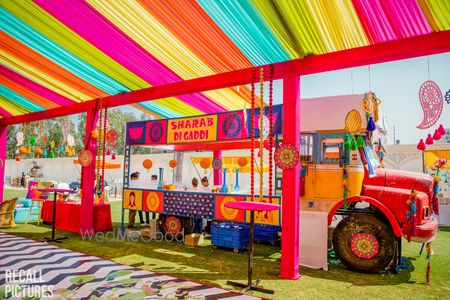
(290, 242)
(88, 175)
(217, 173)
(3, 136)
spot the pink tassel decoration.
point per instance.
(108, 152)
(436, 136)
(429, 140)
(441, 130)
(421, 145)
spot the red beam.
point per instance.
(433, 43)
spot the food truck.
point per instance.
(371, 204)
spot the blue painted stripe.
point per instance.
(242, 23)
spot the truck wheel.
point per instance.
(364, 243)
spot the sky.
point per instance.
(396, 84)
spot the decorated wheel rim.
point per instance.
(173, 225)
(286, 156)
(364, 245)
(217, 164)
(85, 158)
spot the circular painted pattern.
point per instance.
(173, 225)
(228, 213)
(152, 201)
(364, 245)
(85, 158)
(156, 131)
(217, 164)
(286, 156)
(432, 102)
(232, 126)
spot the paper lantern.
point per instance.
(441, 130)
(436, 136)
(205, 163)
(429, 140)
(242, 162)
(421, 145)
(147, 164)
(23, 150)
(173, 163)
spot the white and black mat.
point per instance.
(73, 275)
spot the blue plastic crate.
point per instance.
(266, 233)
(235, 236)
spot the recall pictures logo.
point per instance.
(197, 129)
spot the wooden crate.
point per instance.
(193, 239)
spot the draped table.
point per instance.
(252, 207)
(68, 216)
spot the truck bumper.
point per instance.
(425, 232)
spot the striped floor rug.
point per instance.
(73, 275)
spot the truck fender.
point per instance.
(389, 215)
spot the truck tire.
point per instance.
(174, 225)
(364, 243)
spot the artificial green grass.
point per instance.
(215, 266)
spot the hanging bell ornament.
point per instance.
(108, 152)
(429, 140)
(421, 145)
(436, 136)
(45, 153)
(113, 156)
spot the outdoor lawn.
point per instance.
(216, 266)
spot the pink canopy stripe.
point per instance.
(4, 113)
(34, 87)
(83, 19)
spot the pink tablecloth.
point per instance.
(68, 216)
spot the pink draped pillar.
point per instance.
(88, 175)
(291, 180)
(217, 173)
(3, 136)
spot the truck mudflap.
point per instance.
(425, 232)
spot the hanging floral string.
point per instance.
(252, 149)
(412, 215)
(99, 143)
(261, 132)
(105, 119)
(271, 134)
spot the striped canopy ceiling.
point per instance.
(59, 52)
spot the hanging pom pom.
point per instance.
(354, 145)
(421, 145)
(45, 153)
(113, 156)
(347, 141)
(108, 152)
(360, 141)
(17, 158)
(436, 136)
(371, 125)
(429, 140)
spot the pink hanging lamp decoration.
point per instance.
(437, 136)
(429, 140)
(441, 130)
(421, 145)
